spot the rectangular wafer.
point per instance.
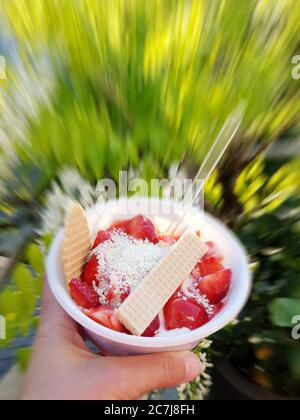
(76, 242)
(144, 303)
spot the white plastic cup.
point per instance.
(115, 343)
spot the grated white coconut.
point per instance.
(123, 262)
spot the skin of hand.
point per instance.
(63, 368)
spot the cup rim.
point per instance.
(228, 313)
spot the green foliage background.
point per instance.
(107, 85)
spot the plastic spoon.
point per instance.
(215, 154)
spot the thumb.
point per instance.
(136, 375)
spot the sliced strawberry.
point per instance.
(122, 225)
(102, 236)
(153, 327)
(124, 295)
(106, 317)
(101, 315)
(206, 266)
(84, 295)
(213, 251)
(90, 271)
(116, 325)
(139, 227)
(217, 309)
(111, 295)
(182, 312)
(216, 286)
(142, 228)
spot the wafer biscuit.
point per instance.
(76, 243)
(143, 305)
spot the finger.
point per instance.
(140, 374)
(56, 325)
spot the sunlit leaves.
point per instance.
(23, 355)
(23, 279)
(18, 300)
(35, 258)
(171, 69)
(249, 183)
(214, 192)
(261, 193)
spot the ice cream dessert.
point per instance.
(120, 259)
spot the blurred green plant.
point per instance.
(142, 82)
(261, 344)
(20, 299)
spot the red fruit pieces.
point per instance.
(124, 295)
(121, 225)
(153, 327)
(216, 310)
(84, 295)
(139, 227)
(142, 228)
(216, 286)
(105, 316)
(102, 236)
(207, 266)
(111, 294)
(185, 312)
(90, 271)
